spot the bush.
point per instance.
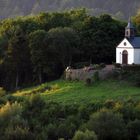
(9, 111)
(137, 111)
(109, 104)
(18, 133)
(87, 135)
(107, 125)
(55, 87)
(66, 130)
(133, 128)
(52, 132)
(137, 79)
(83, 112)
(96, 76)
(34, 106)
(2, 92)
(102, 65)
(116, 74)
(131, 68)
(88, 82)
(13, 99)
(96, 66)
(127, 110)
(35, 101)
(2, 101)
(117, 65)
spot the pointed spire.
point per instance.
(130, 25)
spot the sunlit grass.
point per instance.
(77, 92)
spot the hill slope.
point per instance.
(119, 8)
(77, 92)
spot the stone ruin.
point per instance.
(88, 73)
(79, 74)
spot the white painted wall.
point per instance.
(125, 44)
(137, 56)
(119, 52)
(133, 54)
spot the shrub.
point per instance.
(127, 110)
(131, 76)
(137, 111)
(55, 87)
(88, 82)
(13, 99)
(83, 112)
(116, 74)
(53, 111)
(131, 68)
(96, 66)
(96, 76)
(102, 65)
(66, 130)
(107, 125)
(2, 101)
(36, 101)
(137, 79)
(117, 65)
(87, 135)
(40, 132)
(8, 111)
(52, 132)
(34, 106)
(133, 128)
(109, 104)
(2, 92)
(18, 133)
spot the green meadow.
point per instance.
(77, 92)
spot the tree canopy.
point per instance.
(35, 49)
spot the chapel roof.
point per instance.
(135, 42)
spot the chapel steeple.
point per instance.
(129, 30)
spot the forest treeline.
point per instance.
(38, 48)
(118, 8)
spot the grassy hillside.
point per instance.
(78, 92)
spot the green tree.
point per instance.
(107, 125)
(87, 135)
(38, 48)
(17, 60)
(64, 41)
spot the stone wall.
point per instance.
(79, 74)
(88, 73)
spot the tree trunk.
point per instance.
(90, 60)
(40, 77)
(17, 80)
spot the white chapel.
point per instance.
(128, 51)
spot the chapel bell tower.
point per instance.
(129, 30)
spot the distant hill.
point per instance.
(119, 8)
